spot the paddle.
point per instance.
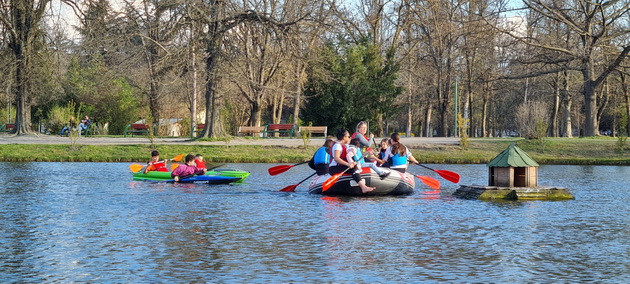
(447, 175)
(291, 188)
(174, 166)
(282, 168)
(134, 168)
(332, 180)
(429, 181)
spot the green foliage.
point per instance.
(6, 115)
(59, 116)
(541, 134)
(621, 143)
(306, 136)
(106, 97)
(349, 84)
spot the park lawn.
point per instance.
(576, 151)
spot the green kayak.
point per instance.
(215, 172)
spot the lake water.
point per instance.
(89, 222)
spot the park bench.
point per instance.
(7, 127)
(199, 128)
(250, 130)
(314, 129)
(136, 128)
(280, 129)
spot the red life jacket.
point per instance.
(200, 164)
(344, 152)
(159, 166)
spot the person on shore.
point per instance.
(72, 124)
(355, 153)
(398, 155)
(85, 122)
(341, 162)
(320, 162)
(187, 169)
(155, 164)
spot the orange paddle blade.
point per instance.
(174, 166)
(178, 157)
(430, 182)
(134, 168)
(331, 180)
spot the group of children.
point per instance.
(346, 154)
(193, 165)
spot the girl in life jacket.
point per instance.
(361, 134)
(341, 161)
(354, 150)
(320, 161)
(155, 164)
(398, 155)
(381, 160)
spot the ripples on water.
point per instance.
(88, 222)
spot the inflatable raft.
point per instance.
(216, 176)
(396, 183)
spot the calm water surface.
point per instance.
(89, 222)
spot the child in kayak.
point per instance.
(187, 169)
(155, 164)
(199, 163)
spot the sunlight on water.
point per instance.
(89, 222)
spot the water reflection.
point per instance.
(100, 226)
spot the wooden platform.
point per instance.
(512, 193)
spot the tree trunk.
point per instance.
(427, 121)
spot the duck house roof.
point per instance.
(513, 156)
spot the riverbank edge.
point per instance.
(479, 151)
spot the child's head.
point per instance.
(355, 142)
(329, 143)
(385, 143)
(190, 159)
(155, 155)
(199, 157)
(342, 134)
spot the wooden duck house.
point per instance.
(513, 168)
(512, 175)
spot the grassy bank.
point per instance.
(577, 151)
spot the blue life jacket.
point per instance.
(358, 156)
(398, 160)
(322, 157)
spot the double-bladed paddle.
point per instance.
(282, 168)
(134, 168)
(291, 188)
(447, 175)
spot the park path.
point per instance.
(50, 139)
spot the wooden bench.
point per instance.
(280, 129)
(199, 128)
(250, 130)
(7, 127)
(136, 128)
(314, 129)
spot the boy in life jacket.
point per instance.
(381, 160)
(187, 169)
(155, 164)
(354, 153)
(199, 163)
(320, 161)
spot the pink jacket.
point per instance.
(186, 170)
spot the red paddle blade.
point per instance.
(430, 182)
(290, 188)
(431, 192)
(330, 181)
(278, 169)
(448, 175)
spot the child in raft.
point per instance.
(398, 155)
(354, 152)
(380, 159)
(340, 162)
(155, 164)
(187, 169)
(320, 162)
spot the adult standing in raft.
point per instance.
(341, 162)
(398, 155)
